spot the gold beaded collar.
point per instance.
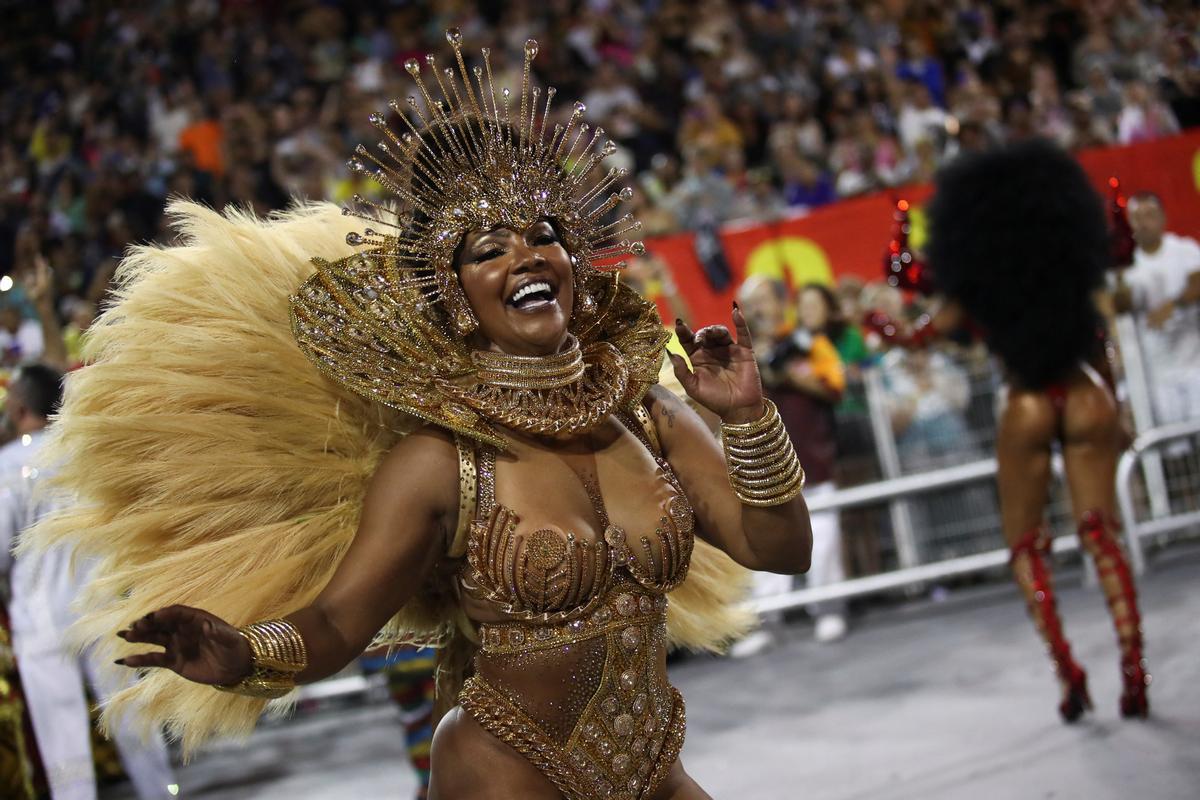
(538, 373)
(564, 394)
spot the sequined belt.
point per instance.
(624, 611)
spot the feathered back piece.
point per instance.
(707, 610)
(1018, 236)
(213, 463)
(215, 466)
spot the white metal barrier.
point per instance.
(1137, 387)
(895, 489)
(1146, 447)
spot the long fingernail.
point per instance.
(735, 306)
(678, 321)
(123, 633)
(119, 661)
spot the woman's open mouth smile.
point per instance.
(533, 296)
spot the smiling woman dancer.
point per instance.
(531, 520)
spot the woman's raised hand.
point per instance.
(198, 645)
(724, 375)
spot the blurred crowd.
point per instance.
(722, 110)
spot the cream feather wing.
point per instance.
(213, 464)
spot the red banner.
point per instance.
(849, 237)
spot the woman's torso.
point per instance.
(572, 551)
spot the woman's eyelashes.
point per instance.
(541, 240)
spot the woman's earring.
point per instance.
(586, 303)
(461, 316)
(464, 321)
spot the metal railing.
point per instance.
(935, 519)
(893, 490)
(1162, 520)
(896, 489)
(903, 488)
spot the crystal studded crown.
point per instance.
(390, 322)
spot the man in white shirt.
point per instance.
(41, 590)
(920, 119)
(1163, 294)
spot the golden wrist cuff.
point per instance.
(277, 653)
(762, 463)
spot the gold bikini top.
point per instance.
(548, 576)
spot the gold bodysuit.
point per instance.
(574, 676)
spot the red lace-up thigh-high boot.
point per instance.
(1029, 568)
(1098, 534)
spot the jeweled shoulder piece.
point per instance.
(390, 322)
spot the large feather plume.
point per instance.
(212, 464)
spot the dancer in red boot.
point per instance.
(1017, 247)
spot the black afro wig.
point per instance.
(1018, 236)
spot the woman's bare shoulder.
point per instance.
(425, 461)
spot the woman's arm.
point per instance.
(772, 539)
(724, 379)
(410, 505)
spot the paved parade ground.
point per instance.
(924, 700)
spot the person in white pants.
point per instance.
(827, 566)
(41, 589)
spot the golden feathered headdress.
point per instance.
(389, 323)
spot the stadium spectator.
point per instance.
(1144, 116)
(20, 336)
(1163, 289)
(796, 131)
(806, 185)
(928, 393)
(919, 119)
(927, 397)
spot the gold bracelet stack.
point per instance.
(762, 463)
(277, 654)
